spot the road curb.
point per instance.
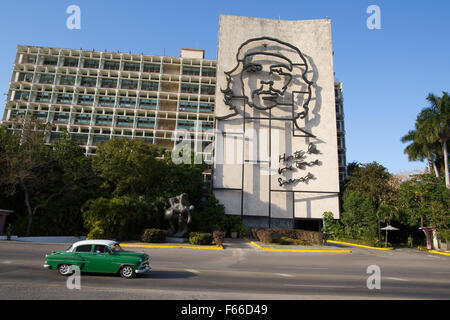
(135, 245)
(434, 251)
(298, 250)
(360, 245)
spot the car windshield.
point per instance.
(69, 248)
(116, 248)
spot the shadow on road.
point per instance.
(154, 274)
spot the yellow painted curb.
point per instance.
(434, 251)
(298, 250)
(170, 247)
(359, 245)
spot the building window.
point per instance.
(43, 97)
(148, 103)
(17, 114)
(107, 101)
(31, 59)
(189, 88)
(67, 80)
(61, 117)
(70, 62)
(64, 98)
(127, 102)
(83, 119)
(186, 125)
(46, 78)
(206, 125)
(22, 95)
(50, 61)
(109, 83)
(129, 84)
(208, 90)
(146, 123)
(206, 107)
(208, 72)
(26, 77)
(125, 121)
(88, 82)
(99, 139)
(86, 100)
(149, 86)
(152, 68)
(93, 64)
(81, 139)
(128, 66)
(188, 106)
(104, 120)
(191, 71)
(111, 65)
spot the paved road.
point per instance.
(240, 272)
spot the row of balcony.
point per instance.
(112, 101)
(108, 83)
(119, 65)
(115, 121)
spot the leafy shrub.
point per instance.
(120, 217)
(154, 236)
(218, 236)
(267, 236)
(209, 216)
(254, 231)
(199, 238)
(300, 237)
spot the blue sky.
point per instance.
(387, 73)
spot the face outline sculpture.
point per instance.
(269, 73)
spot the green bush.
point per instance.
(120, 218)
(209, 217)
(289, 236)
(199, 238)
(154, 236)
(234, 224)
(218, 236)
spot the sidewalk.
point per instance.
(56, 240)
(293, 248)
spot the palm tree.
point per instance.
(433, 123)
(419, 150)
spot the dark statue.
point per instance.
(179, 216)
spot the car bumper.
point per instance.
(47, 266)
(145, 269)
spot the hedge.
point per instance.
(288, 236)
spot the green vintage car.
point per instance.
(103, 256)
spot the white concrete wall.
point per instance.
(313, 39)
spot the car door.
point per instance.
(101, 260)
(84, 252)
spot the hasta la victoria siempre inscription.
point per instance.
(298, 159)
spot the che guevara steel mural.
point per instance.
(271, 74)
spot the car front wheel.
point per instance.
(127, 272)
(65, 270)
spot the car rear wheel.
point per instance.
(127, 272)
(65, 269)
